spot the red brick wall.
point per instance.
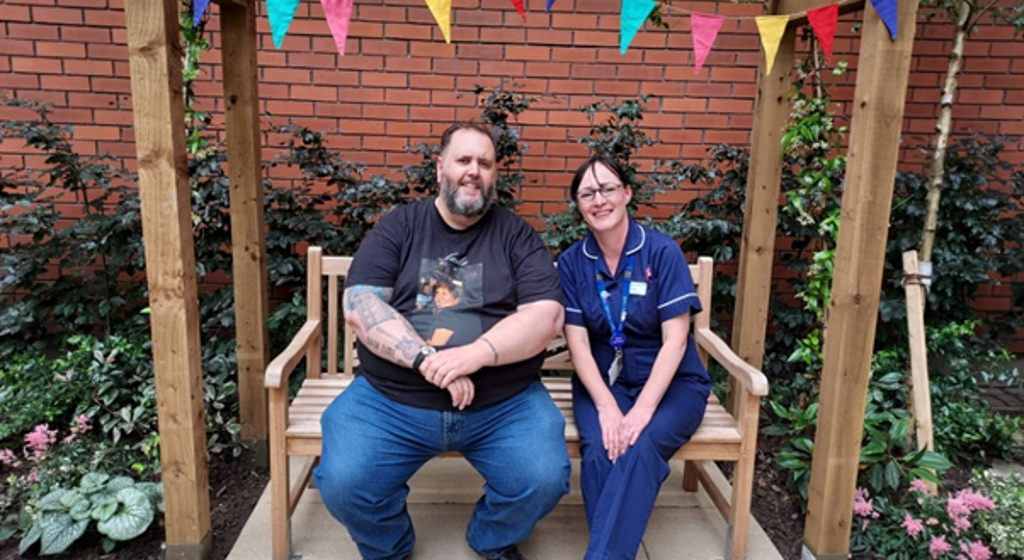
(401, 84)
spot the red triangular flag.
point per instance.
(705, 29)
(522, 9)
(823, 21)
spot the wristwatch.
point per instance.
(421, 355)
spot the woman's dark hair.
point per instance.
(615, 167)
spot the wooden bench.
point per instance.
(295, 426)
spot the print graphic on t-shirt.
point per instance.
(448, 302)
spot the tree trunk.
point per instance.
(942, 129)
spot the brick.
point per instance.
(60, 50)
(107, 52)
(361, 95)
(381, 13)
(980, 97)
(510, 36)
(549, 37)
(434, 114)
(335, 110)
(407, 97)
(372, 79)
(361, 126)
(406, 31)
(289, 108)
(65, 83)
(87, 35)
(89, 67)
(15, 47)
(411, 130)
(442, 66)
(14, 13)
(97, 133)
(57, 15)
(377, 46)
(31, 31)
(36, 65)
(491, 52)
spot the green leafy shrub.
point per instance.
(1004, 523)
(120, 508)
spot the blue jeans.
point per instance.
(373, 445)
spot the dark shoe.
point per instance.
(510, 553)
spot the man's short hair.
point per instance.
(480, 127)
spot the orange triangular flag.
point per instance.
(823, 21)
(705, 29)
(771, 29)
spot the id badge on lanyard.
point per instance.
(618, 338)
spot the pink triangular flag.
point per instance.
(823, 21)
(521, 8)
(705, 29)
(338, 14)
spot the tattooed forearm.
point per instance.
(402, 348)
(382, 329)
(370, 303)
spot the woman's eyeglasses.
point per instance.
(606, 192)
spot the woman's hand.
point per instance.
(611, 432)
(634, 423)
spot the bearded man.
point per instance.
(479, 394)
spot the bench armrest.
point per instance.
(751, 378)
(281, 367)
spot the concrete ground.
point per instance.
(684, 526)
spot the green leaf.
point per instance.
(6, 533)
(119, 483)
(899, 429)
(59, 532)
(104, 510)
(30, 538)
(892, 474)
(933, 460)
(133, 516)
(51, 501)
(804, 444)
(93, 482)
(108, 544)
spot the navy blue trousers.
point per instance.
(619, 497)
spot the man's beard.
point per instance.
(459, 207)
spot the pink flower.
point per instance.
(956, 507)
(38, 441)
(961, 524)
(913, 526)
(975, 501)
(7, 457)
(32, 477)
(82, 424)
(919, 486)
(862, 506)
(976, 551)
(939, 546)
(932, 521)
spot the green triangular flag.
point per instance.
(634, 14)
(280, 13)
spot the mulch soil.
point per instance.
(236, 484)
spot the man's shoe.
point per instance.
(510, 553)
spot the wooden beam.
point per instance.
(920, 387)
(155, 60)
(878, 103)
(757, 246)
(798, 8)
(248, 240)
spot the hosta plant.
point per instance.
(120, 508)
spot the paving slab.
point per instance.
(684, 526)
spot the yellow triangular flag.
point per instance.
(771, 29)
(442, 10)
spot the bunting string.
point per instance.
(703, 27)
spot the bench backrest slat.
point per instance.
(334, 270)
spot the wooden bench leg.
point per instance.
(689, 477)
(743, 478)
(280, 512)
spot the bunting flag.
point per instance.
(634, 14)
(280, 13)
(338, 14)
(198, 8)
(887, 11)
(521, 9)
(823, 21)
(771, 29)
(548, 8)
(705, 29)
(442, 10)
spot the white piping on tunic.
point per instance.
(643, 238)
(680, 298)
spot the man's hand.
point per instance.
(451, 364)
(462, 391)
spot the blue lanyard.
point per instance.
(618, 337)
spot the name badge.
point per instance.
(638, 288)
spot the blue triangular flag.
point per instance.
(887, 10)
(197, 11)
(634, 14)
(280, 13)
(548, 8)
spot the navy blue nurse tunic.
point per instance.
(619, 497)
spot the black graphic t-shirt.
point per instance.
(453, 286)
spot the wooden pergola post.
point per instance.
(757, 246)
(158, 106)
(879, 98)
(248, 251)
